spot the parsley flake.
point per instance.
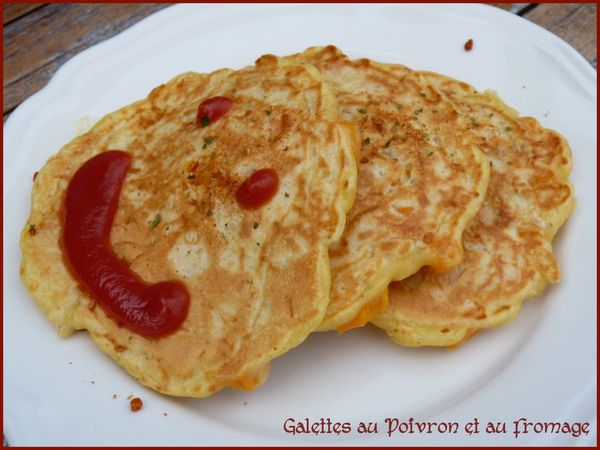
(362, 110)
(204, 121)
(155, 222)
(207, 141)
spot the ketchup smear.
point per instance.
(258, 189)
(212, 109)
(89, 210)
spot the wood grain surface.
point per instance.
(39, 38)
(37, 44)
(13, 11)
(575, 23)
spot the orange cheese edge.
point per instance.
(366, 313)
(251, 380)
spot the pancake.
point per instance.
(508, 251)
(421, 179)
(258, 280)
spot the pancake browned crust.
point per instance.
(421, 179)
(258, 280)
(508, 252)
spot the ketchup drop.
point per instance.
(212, 109)
(257, 189)
(89, 210)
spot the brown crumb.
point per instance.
(114, 396)
(165, 414)
(130, 396)
(469, 45)
(245, 403)
(93, 382)
(136, 404)
(35, 174)
(32, 229)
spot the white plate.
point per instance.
(542, 366)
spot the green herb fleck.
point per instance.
(286, 148)
(399, 106)
(430, 153)
(204, 121)
(191, 177)
(268, 112)
(491, 115)
(286, 195)
(212, 155)
(418, 111)
(207, 141)
(209, 213)
(155, 222)
(362, 110)
(394, 129)
(434, 111)
(367, 141)
(255, 226)
(422, 94)
(508, 128)
(387, 144)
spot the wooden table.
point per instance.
(39, 38)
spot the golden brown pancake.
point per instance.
(421, 179)
(508, 252)
(259, 279)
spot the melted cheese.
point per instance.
(366, 313)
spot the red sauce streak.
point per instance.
(258, 189)
(89, 210)
(211, 110)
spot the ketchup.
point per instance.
(89, 210)
(212, 109)
(257, 189)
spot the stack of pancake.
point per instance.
(406, 199)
